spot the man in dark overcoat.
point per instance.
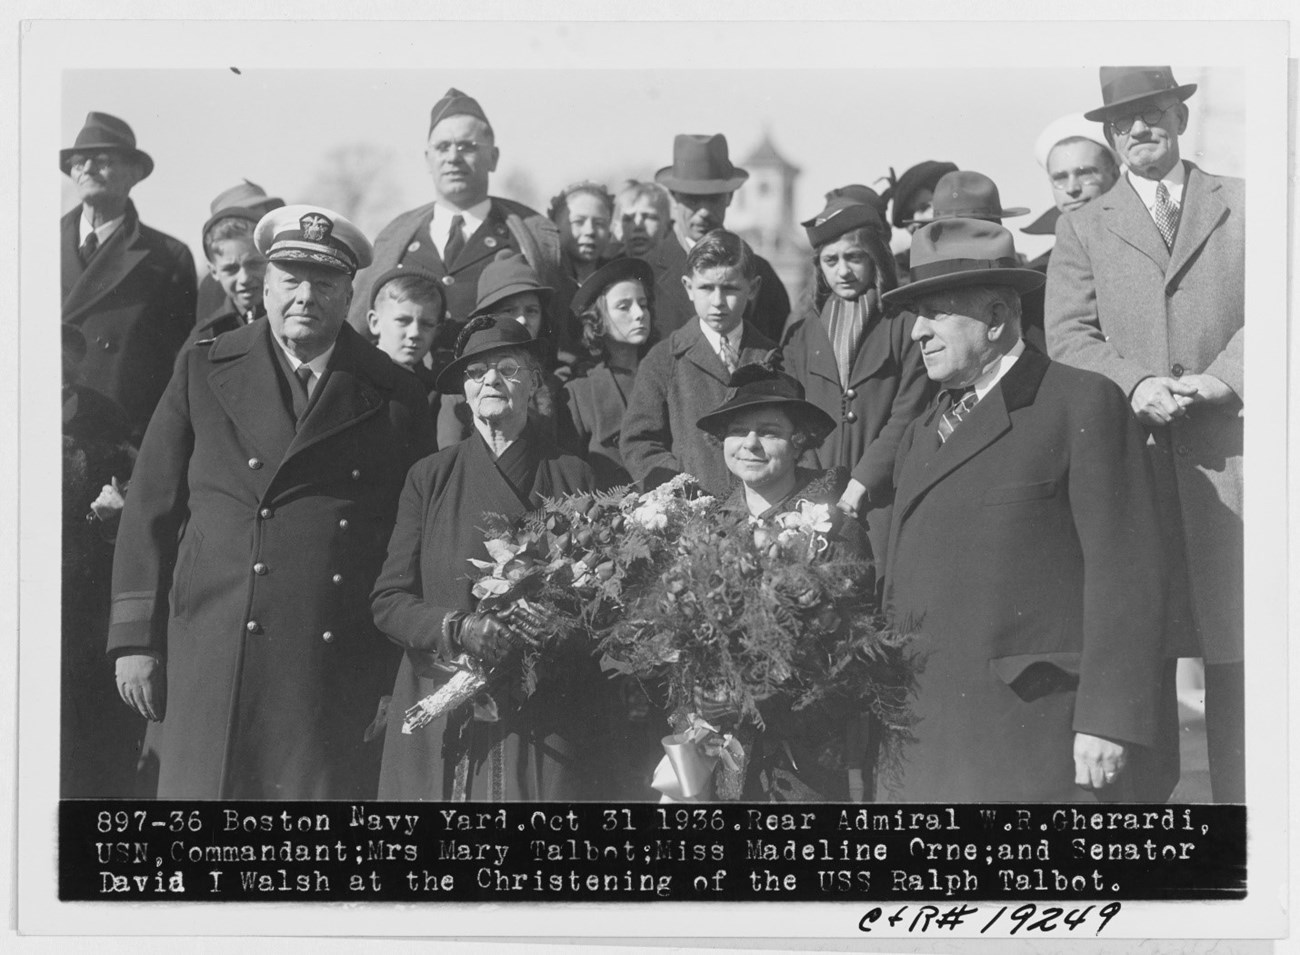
(1024, 551)
(458, 234)
(702, 182)
(254, 529)
(1147, 286)
(130, 289)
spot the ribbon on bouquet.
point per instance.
(689, 760)
(466, 683)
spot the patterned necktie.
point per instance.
(1166, 215)
(962, 402)
(301, 393)
(727, 352)
(88, 247)
(455, 241)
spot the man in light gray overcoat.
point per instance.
(1146, 286)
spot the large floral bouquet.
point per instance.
(575, 564)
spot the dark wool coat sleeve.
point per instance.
(647, 442)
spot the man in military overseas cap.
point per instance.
(256, 525)
(461, 231)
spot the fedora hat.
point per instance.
(701, 166)
(1122, 86)
(483, 335)
(924, 175)
(246, 195)
(102, 131)
(761, 385)
(954, 253)
(962, 194)
(508, 274)
(619, 270)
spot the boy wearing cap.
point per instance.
(1024, 553)
(686, 376)
(405, 319)
(264, 495)
(237, 268)
(247, 197)
(860, 368)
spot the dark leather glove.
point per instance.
(485, 636)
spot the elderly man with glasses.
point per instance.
(129, 289)
(454, 237)
(1146, 286)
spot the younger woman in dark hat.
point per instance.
(765, 427)
(862, 370)
(615, 310)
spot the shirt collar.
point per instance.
(715, 340)
(993, 374)
(1174, 181)
(103, 231)
(317, 364)
(474, 217)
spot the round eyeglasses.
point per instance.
(1150, 115)
(507, 368)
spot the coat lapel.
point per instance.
(982, 427)
(347, 395)
(493, 493)
(245, 383)
(488, 239)
(701, 354)
(122, 253)
(72, 268)
(1130, 222)
(608, 404)
(1202, 212)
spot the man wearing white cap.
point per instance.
(1080, 166)
(263, 498)
(1147, 286)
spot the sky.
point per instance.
(207, 128)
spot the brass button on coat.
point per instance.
(253, 626)
(328, 636)
(254, 463)
(260, 569)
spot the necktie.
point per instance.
(455, 241)
(88, 247)
(300, 393)
(1166, 215)
(962, 402)
(727, 352)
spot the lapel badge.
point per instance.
(490, 242)
(315, 227)
(414, 246)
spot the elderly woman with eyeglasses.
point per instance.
(517, 749)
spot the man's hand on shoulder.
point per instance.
(1158, 400)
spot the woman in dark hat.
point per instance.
(615, 309)
(765, 427)
(854, 364)
(533, 748)
(509, 289)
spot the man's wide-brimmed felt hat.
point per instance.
(246, 195)
(312, 234)
(481, 336)
(924, 175)
(626, 269)
(701, 166)
(962, 194)
(508, 274)
(757, 385)
(956, 253)
(842, 214)
(102, 131)
(1124, 86)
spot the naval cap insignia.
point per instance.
(315, 227)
